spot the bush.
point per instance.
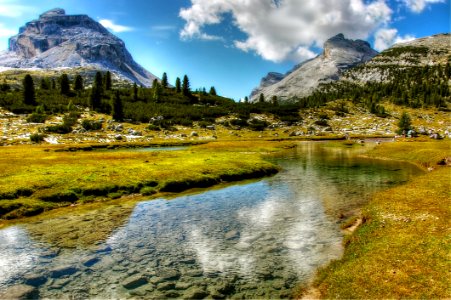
(37, 118)
(37, 137)
(238, 122)
(322, 122)
(258, 125)
(147, 191)
(61, 129)
(154, 127)
(91, 125)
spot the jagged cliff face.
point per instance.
(58, 40)
(339, 55)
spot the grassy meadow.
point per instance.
(40, 178)
(403, 248)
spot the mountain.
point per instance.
(339, 55)
(57, 40)
(422, 52)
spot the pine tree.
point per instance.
(185, 86)
(135, 92)
(78, 84)
(95, 98)
(246, 99)
(29, 96)
(261, 98)
(117, 110)
(53, 84)
(156, 91)
(64, 85)
(404, 124)
(178, 85)
(108, 83)
(4, 87)
(44, 85)
(70, 106)
(164, 80)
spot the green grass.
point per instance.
(36, 178)
(403, 248)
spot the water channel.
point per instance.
(249, 240)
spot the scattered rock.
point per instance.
(62, 271)
(233, 234)
(169, 274)
(165, 286)
(34, 279)
(195, 293)
(134, 282)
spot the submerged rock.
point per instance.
(20, 291)
(134, 282)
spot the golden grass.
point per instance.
(36, 179)
(403, 249)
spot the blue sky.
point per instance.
(231, 44)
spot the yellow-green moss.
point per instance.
(403, 248)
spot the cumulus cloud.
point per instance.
(286, 29)
(10, 9)
(418, 6)
(386, 37)
(109, 24)
(6, 32)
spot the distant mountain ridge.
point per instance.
(339, 55)
(57, 40)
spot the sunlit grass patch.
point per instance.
(402, 249)
(35, 179)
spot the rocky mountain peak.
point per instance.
(339, 55)
(53, 13)
(58, 40)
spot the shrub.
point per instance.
(322, 122)
(61, 129)
(37, 137)
(258, 125)
(238, 122)
(147, 191)
(37, 118)
(154, 127)
(91, 125)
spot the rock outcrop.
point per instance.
(339, 55)
(58, 40)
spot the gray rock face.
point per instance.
(339, 55)
(58, 40)
(270, 79)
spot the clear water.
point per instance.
(252, 240)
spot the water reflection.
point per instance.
(248, 241)
(17, 254)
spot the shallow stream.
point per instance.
(250, 240)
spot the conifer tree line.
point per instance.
(414, 87)
(178, 104)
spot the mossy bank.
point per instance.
(36, 179)
(402, 249)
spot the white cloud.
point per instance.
(109, 24)
(286, 29)
(10, 9)
(418, 6)
(6, 32)
(387, 37)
